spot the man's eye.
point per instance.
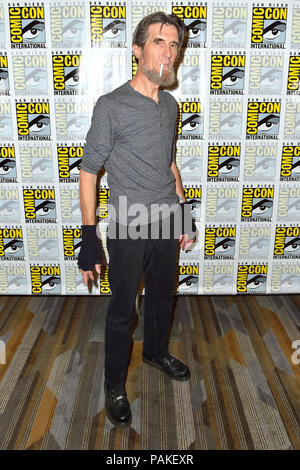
(262, 207)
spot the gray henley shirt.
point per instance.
(133, 137)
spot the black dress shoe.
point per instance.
(170, 366)
(117, 406)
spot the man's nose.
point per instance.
(168, 51)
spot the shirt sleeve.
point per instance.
(99, 139)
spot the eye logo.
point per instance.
(219, 242)
(269, 27)
(108, 26)
(45, 280)
(68, 74)
(11, 244)
(33, 120)
(223, 163)
(7, 165)
(67, 25)
(227, 74)
(188, 279)
(257, 204)
(195, 20)
(287, 242)
(27, 27)
(263, 120)
(4, 80)
(39, 205)
(251, 279)
(191, 120)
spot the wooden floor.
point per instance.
(244, 391)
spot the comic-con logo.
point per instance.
(69, 160)
(6, 129)
(229, 26)
(188, 279)
(251, 279)
(36, 162)
(195, 20)
(293, 75)
(11, 243)
(285, 277)
(191, 73)
(27, 26)
(268, 27)
(30, 74)
(33, 120)
(295, 38)
(69, 74)
(189, 158)
(68, 25)
(292, 120)
(219, 242)
(254, 241)
(257, 204)
(223, 162)
(287, 242)
(102, 204)
(42, 243)
(9, 205)
(104, 282)
(72, 239)
(289, 203)
(4, 79)
(72, 119)
(193, 198)
(8, 173)
(70, 205)
(260, 161)
(218, 278)
(13, 279)
(265, 73)
(190, 122)
(39, 205)
(290, 163)
(263, 118)
(221, 203)
(108, 25)
(45, 280)
(225, 118)
(227, 74)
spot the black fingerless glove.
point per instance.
(188, 223)
(90, 251)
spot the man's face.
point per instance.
(161, 47)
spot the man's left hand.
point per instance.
(185, 242)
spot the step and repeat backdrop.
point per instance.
(238, 146)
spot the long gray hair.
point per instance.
(141, 34)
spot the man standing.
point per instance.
(132, 134)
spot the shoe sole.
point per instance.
(117, 423)
(153, 364)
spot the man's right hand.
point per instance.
(90, 256)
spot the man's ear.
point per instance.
(137, 50)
